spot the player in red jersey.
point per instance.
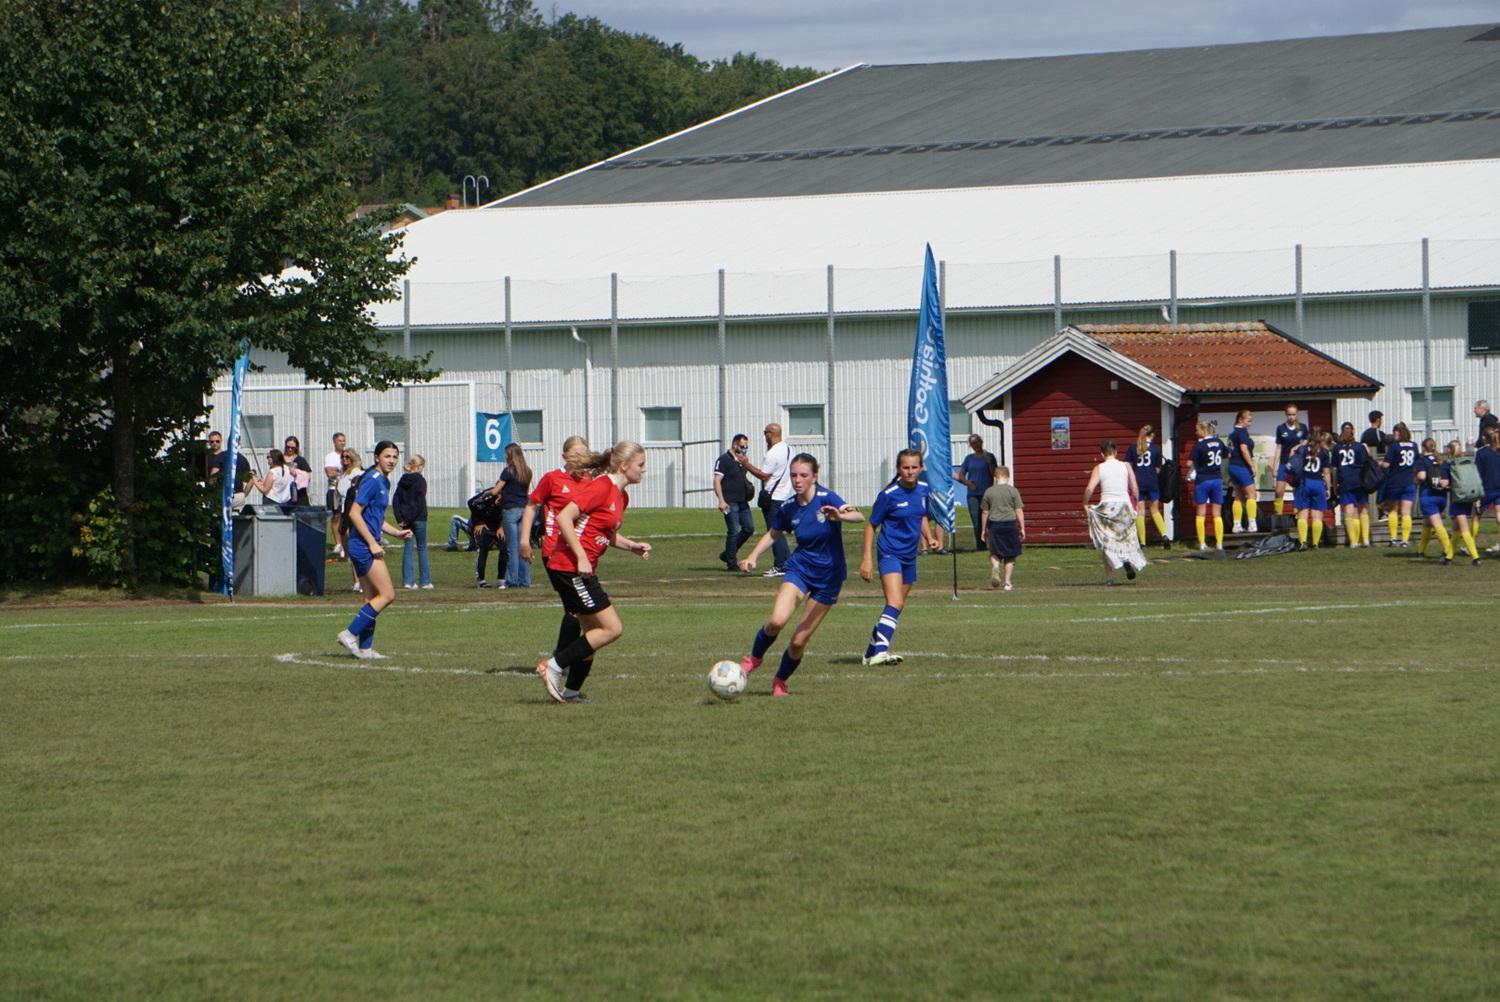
(554, 489)
(587, 526)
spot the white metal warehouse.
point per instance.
(765, 266)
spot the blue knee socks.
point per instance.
(363, 626)
(763, 642)
(885, 629)
(788, 665)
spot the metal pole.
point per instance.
(948, 446)
(1172, 275)
(614, 357)
(1427, 337)
(509, 358)
(723, 377)
(829, 396)
(406, 351)
(1056, 293)
(588, 365)
(1297, 264)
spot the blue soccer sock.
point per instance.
(763, 642)
(363, 625)
(885, 629)
(788, 665)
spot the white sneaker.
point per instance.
(427, 587)
(552, 678)
(350, 642)
(1202, 547)
(774, 572)
(1219, 547)
(1009, 586)
(1250, 526)
(410, 587)
(1237, 527)
(995, 579)
(356, 588)
(371, 654)
(338, 549)
(884, 658)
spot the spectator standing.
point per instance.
(1486, 421)
(977, 473)
(515, 483)
(348, 474)
(487, 522)
(1004, 525)
(410, 508)
(775, 490)
(215, 468)
(1376, 442)
(291, 450)
(333, 469)
(733, 491)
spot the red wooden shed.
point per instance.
(1092, 382)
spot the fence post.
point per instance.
(828, 412)
(509, 358)
(1427, 338)
(723, 377)
(1056, 293)
(1297, 265)
(614, 357)
(1172, 282)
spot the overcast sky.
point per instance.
(831, 34)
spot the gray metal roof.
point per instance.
(1355, 100)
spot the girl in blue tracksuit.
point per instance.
(1400, 464)
(1145, 457)
(815, 572)
(1349, 458)
(900, 517)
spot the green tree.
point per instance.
(178, 184)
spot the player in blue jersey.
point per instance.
(1487, 461)
(1312, 474)
(367, 519)
(1432, 498)
(1289, 434)
(1465, 513)
(1349, 458)
(1242, 472)
(1145, 458)
(900, 517)
(1400, 464)
(815, 572)
(1207, 474)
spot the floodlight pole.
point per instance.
(1427, 338)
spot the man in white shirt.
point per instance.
(776, 488)
(333, 468)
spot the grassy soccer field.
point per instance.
(1268, 779)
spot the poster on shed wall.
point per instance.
(1062, 435)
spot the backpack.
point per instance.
(1169, 481)
(1464, 485)
(1372, 476)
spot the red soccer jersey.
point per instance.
(552, 493)
(601, 507)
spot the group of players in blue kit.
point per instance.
(816, 570)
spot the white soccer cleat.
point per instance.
(552, 678)
(1237, 527)
(884, 658)
(350, 642)
(1250, 526)
(371, 654)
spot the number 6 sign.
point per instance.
(492, 435)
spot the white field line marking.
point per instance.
(358, 665)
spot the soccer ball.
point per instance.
(727, 680)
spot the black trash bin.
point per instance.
(312, 546)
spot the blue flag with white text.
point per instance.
(927, 403)
(231, 450)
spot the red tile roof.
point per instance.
(1227, 358)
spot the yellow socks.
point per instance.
(1426, 538)
(1161, 524)
(1364, 532)
(1140, 528)
(1202, 531)
(1250, 509)
(1406, 529)
(1393, 523)
(1470, 545)
(1280, 506)
(1317, 532)
(1219, 532)
(1238, 508)
(1447, 541)
(1301, 531)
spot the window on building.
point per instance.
(662, 424)
(960, 422)
(1484, 325)
(258, 433)
(526, 426)
(1442, 405)
(389, 428)
(804, 421)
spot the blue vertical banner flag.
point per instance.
(231, 463)
(491, 435)
(927, 402)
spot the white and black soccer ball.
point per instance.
(727, 680)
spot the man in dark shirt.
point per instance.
(1486, 421)
(733, 490)
(1373, 438)
(215, 466)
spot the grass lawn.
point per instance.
(1264, 779)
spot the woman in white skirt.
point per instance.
(1112, 520)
